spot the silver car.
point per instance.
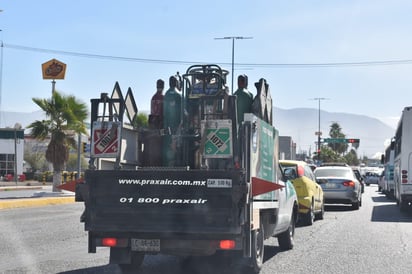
(371, 178)
(339, 185)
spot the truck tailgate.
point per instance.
(164, 201)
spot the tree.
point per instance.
(336, 132)
(36, 160)
(141, 121)
(351, 158)
(329, 155)
(64, 118)
(336, 152)
(72, 163)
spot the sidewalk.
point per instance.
(31, 193)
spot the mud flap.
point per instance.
(120, 255)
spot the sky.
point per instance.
(354, 53)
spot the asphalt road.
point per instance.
(377, 238)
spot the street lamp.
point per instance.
(233, 50)
(319, 133)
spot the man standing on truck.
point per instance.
(153, 150)
(156, 106)
(244, 98)
(172, 103)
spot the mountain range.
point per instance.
(299, 123)
(302, 124)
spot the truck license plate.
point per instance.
(146, 245)
(219, 183)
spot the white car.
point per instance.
(371, 178)
(382, 182)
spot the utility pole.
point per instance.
(319, 133)
(233, 51)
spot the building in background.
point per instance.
(11, 151)
(287, 148)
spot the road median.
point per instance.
(33, 202)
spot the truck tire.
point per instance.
(137, 261)
(285, 239)
(258, 248)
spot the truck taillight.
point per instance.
(404, 176)
(227, 244)
(109, 241)
(113, 242)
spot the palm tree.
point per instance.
(64, 118)
(336, 133)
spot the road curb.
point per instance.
(14, 188)
(33, 202)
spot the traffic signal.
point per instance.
(353, 141)
(84, 147)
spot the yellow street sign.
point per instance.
(53, 69)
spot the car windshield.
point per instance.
(331, 172)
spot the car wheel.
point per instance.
(356, 205)
(319, 216)
(309, 217)
(285, 239)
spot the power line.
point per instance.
(336, 64)
(96, 56)
(256, 65)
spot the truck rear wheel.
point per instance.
(285, 239)
(258, 248)
(136, 262)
